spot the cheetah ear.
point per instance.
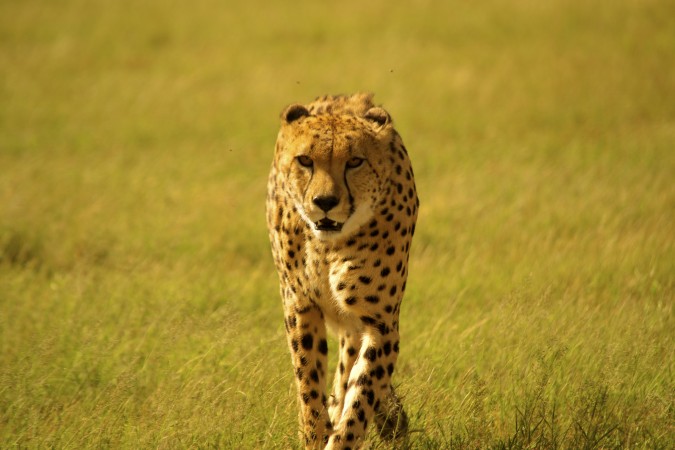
(378, 116)
(293, 113)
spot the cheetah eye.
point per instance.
(354, 163)
(305, 161)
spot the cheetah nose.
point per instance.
(326, 203)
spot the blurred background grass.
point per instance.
(138, 301)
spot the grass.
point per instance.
(138, 300)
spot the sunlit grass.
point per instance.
(138, 301)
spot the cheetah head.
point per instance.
(334, 167)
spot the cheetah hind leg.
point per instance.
(391, 419)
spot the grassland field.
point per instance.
(139, 305)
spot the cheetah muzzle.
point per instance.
(341, 214)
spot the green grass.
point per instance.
(138, 300)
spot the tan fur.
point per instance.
(341, 213)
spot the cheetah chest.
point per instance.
(359, 279)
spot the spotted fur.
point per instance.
(341, 213)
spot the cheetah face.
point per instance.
(333, 167)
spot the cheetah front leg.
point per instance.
(306, 333)
(368, 386)
(350, 342)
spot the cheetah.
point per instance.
(341, 214)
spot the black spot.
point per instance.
(373, 223)
(341, 286)
(350, 423)
(342, 368)
(396, 346)
(303, 361)
(350, 300)
(377, 263)
(350, 437)
(323, 347)
(390, 369)
(388, 309)
(391, 250)
(361, 415)
(372, 298)
(370, 354)
(363, 380)
(294, 345)
(387, 348)
(351, 242)
(364, 279)
(314, 375)
(307, 341)
(314, 394)
(291, 254)
(385, 271)
(351, 351)
(374, 233)
(374, 247)
(379, 372)
(305, 398)
(370, 395)
(368, 320)
(392, 291)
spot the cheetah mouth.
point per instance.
(326, 224)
